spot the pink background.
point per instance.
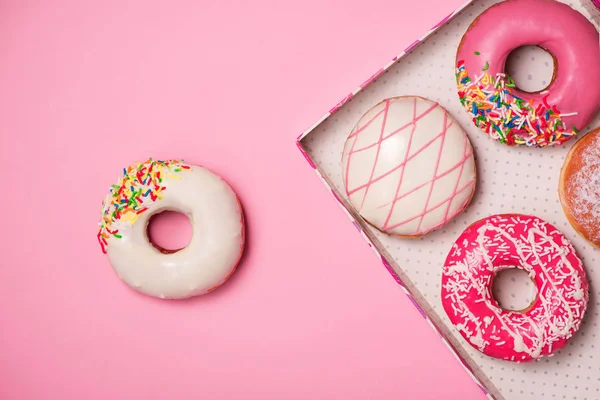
(311, 313)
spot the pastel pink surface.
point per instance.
(229, 85)
(568, 35)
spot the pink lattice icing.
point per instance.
(508, 241)
(408, 166)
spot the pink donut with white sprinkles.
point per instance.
(514, 241)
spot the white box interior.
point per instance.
(510, 179)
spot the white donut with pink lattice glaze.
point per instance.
(408, 166)
(514, 241)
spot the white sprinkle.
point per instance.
(568, 114)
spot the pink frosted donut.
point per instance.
(498, 107)
(508, 241)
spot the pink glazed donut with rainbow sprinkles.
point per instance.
(516, 117)
(514, 241)
(218, 230)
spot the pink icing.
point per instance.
(568, 35)
(508, 241)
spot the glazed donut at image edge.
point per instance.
(579, 187)
(408, 166)
(498, 107)
(514, 241)
(149, 188)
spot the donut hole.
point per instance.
(532, 68)
(513, 289)
(169, 231)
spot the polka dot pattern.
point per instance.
(510, 179)
(513, 289)
(522, 65)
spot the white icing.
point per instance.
(488, 320)
(408, 166)
(208, 260)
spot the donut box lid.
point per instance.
(510, 179)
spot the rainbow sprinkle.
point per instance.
(507, 117)
(140, 186)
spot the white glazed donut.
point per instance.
(149, 188)
(408, 167)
